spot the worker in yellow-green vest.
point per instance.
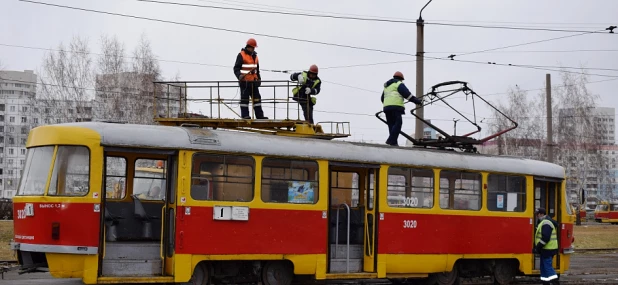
(546, 244)
(392, 98)
(308, 84)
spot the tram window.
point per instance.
(460, 190)
(149, 179)
(115, 177)
(71, 173)
(613, 208)
(344, 188)
(289, 181)
(36, 171)
(218, 177)
(410, 188)
(506, 193)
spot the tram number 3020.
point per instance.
(409, 224)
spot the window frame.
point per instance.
(410, 170)
(51, 173)
(305, 172)
(467, 171)
(191, 169)
(133, 176)
(126, 177)
(507, 176)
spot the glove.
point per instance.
(307, 91)
(301, 79)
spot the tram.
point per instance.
(606, 212)
(244, 207)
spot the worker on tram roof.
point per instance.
(546, 244)
(308, 84)
(392, 98)
(247, 71)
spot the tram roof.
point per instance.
(167, 137)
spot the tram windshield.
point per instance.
(70, 173)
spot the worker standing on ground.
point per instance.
(247, 70)
(392, 98)
(546, 244)
(308, 84)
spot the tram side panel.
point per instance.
(253, 230)
(431, 243)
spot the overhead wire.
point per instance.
(260, 5)
(281, 71)
(358, 18)
(217, 29)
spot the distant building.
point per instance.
(17, 117)
(604, 117)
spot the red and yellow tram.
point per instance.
(120, 203)
(606, 212)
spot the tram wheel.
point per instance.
(447, 278)
(201, 275)
(277, 273)
(504, 272)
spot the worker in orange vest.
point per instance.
(247, 70)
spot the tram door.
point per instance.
(547, 195)
(139, 207)
(352, 194)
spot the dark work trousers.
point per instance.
(548, 274)
(307, 110)
(394, 121)
(250, 89)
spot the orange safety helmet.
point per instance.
(252, 42)
(313, 69)
(398, 74)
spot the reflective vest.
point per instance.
(248, 64)
(302, 84)
(392, 96)
(553, 240)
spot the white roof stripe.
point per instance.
(127, 135)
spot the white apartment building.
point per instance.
(17, 92)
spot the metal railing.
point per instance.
(347, 260)
(172, 96)
(337, 128)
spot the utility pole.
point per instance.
(420, 54)
(550, 140)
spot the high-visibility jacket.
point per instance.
(302, 85)
(248, 65)
(392, 96)
(553, 241)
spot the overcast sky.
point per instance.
(34, 25)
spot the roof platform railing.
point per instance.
(219, 103)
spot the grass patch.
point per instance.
(6, 234)
(596, 236)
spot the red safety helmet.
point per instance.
(398, 74)
(252, 42)
(313, 69)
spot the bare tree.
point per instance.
(66, 83)
(578, 132)
(125, 91)
(117, 87)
